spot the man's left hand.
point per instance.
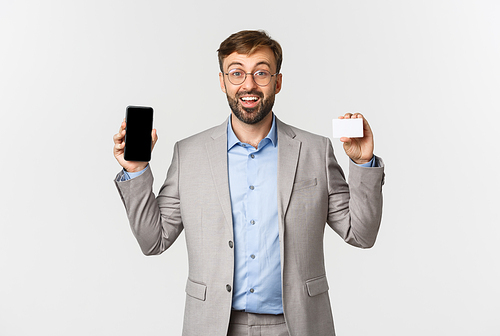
(360, 150)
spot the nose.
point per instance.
(249, 83)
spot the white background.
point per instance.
(426, 75)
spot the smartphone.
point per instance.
(138, 139)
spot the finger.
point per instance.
(118, 138)
(119, 147)
(347, 115)
(123, 125)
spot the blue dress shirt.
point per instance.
(253, 184)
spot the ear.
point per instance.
(277, 88)
(222, 84)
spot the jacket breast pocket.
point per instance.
(196, 290)
(317, 285)
(304, 184)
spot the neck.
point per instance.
(251, 134)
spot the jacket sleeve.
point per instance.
(155, 221)
(354, 209)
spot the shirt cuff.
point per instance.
(371, 163)
(129, 175)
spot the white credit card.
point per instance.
(350, 128)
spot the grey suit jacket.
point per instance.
(195, 197)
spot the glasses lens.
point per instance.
(236, 76)
(262, 77)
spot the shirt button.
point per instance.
(252, 290)
(252, 187)
(252, 222)
(243, 145)
(252, 156)
(231, 244)
(252, 256)
(228, 288)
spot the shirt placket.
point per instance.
(252, 229)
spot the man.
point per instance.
(253, 196)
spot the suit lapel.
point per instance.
(217, 156)
(288, 157)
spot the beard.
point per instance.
(251, 115)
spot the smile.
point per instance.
(250, 101)
(249, 98)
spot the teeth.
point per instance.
(249, 98)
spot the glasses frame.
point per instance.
(252, 74)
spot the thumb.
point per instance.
(347, 141)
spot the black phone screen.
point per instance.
(138, 133)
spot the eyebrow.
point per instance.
(265, 63)
(256, 65)
(234, 63)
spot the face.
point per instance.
(249, 102)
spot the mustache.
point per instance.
(250, 93)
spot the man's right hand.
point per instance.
(119, 148)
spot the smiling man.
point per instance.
(253, 196)
(250, 101)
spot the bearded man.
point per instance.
(253, 196)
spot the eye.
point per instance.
(236, 73)
(261, 73)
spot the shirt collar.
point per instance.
(233, 140)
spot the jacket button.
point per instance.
(228, 288)
(231, 244)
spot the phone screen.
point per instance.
(138, 133)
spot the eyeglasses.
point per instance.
(260, 77)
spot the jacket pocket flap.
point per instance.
(196, 290)
(317, 285)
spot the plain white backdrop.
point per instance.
(426, 74)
